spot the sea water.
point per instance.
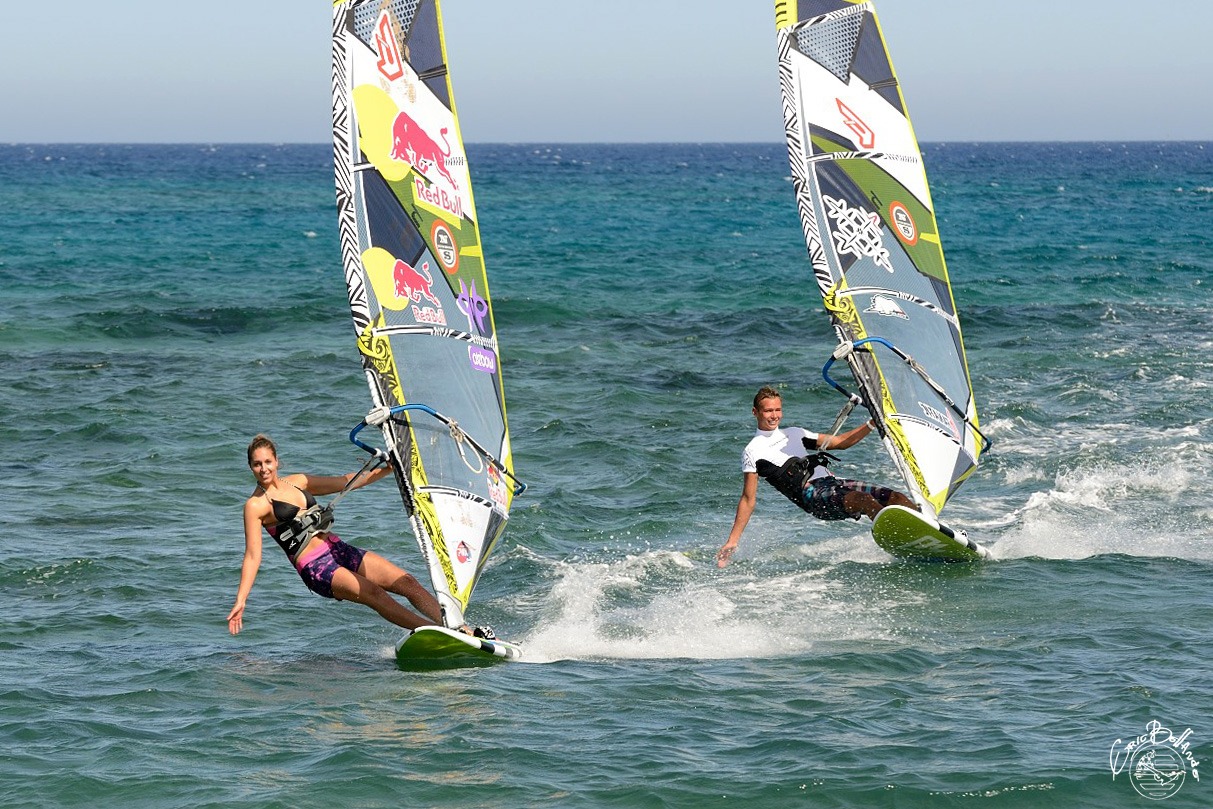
(162, 304)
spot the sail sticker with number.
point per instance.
(445, 248)
(903, 223)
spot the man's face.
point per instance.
(768, 413)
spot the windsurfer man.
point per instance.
(790, 460)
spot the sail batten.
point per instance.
(418, 290)
(873, 241)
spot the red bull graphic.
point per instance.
(413, 145)
(430, 315)
(390, 65)
(414, 284)
(438, 197)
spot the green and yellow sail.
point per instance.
(873, 241)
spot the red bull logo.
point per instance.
(414, 284)
(413, 145)
(438, 197)
(430, 315)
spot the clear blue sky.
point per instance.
(625, 70)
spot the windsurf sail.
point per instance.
(414, 269)
(873, 242)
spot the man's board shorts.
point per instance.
(317, 567)
(823, 497)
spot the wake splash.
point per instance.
(662, 605)
(1129, 509)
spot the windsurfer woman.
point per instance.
(286, 508)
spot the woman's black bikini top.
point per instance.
(292, 531)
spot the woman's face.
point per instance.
(264, 465)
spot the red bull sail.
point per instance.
(418, 290)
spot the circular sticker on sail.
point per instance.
(903, 223)
(445, 249)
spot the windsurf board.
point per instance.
(906, 533)
(433, 647)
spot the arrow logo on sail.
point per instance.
(389, 63)
(866, 137)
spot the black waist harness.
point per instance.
(294, 534)
(792, 478)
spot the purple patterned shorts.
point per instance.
(317, 569)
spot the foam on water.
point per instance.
(661, 605)
(1129, 508)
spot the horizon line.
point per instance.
(328, 144)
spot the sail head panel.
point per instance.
(833, 43)
(417, 33)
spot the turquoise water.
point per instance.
(163, 303)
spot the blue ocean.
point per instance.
(162, 304)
